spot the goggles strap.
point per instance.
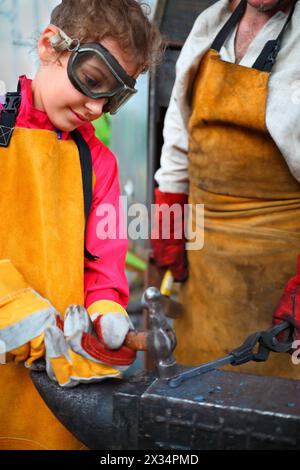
(62, 42)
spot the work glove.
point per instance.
(77, 353)
(24, 316)
(101, 339)
(32, 329)
(169, 253)
(288, 309)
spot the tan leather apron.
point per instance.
(42, 233)
(252, 216)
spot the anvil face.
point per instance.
(220, 410)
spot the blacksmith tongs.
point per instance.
(257, 347)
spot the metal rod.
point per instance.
(177, 380)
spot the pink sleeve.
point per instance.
(105, 279)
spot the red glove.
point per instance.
(288, 308)
(168, 243)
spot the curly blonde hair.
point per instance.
(125, 21)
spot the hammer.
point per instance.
(172, 308)
(160, 340)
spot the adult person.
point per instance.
(231, 143)
(56, 175)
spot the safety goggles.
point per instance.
(97, 74)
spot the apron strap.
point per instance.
(87, 180)
(229, 26)
(268, 55)
(8, 116)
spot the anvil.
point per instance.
(222, 410)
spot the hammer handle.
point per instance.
(137, 340)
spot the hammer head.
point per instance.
(161, 339)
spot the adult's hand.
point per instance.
(288, 308)
(168, 240)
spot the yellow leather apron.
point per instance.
(42, 233)
(252, 218)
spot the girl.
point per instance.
(55, 176)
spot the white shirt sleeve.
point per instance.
(173, 175)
